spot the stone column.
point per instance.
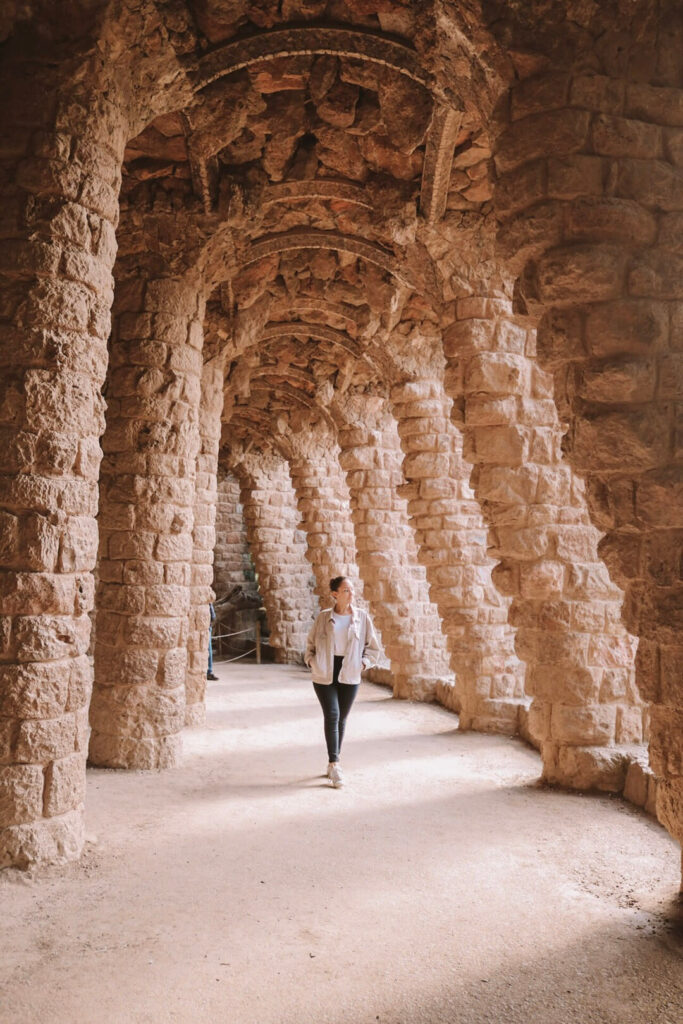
(203, 538)
(231, 553)
(61, 159)
(451, 537)
(323, 501)
(395, 584)
(146, 521)
(596, 231)
(278, 549)
(566, 610)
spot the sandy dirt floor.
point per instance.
(441, 886)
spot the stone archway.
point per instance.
(325, 191)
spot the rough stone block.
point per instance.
(586, 768)
(21, 793)
(503, 445)
(35, 691)
(174, 547)
(497, 374)
(609, 220)
(7, 730)
(154, 631)
(64, 785)
(654, 103)
(584, 726)
(128, 668)
(50, 841)
(597, 92)
(560, 131)
(541, 581)
(629, 728)
(524, 187)
(653, 183)
(620, 136)
(620, 382)
(43, 741)
(656, 274)
(636, 784)
(581, 273)
(636, 439)
(539, 93)
(575, 176)
(628, 326)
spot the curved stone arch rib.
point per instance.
(322, 188)
(341, 310)
(319, 332)
(315, 239)
(304, 41)
(436, 171)
(264, 370)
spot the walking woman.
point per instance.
(340, 645)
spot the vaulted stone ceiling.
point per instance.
(319, 156)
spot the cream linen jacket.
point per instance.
(362, 650)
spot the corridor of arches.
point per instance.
(371, 287)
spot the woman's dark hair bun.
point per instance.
(336, 582)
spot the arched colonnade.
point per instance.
(415, 282)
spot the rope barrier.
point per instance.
(230, 647)
(222, 636)
(226, 660)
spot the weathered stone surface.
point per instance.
(338, 172)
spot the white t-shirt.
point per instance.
(341, 632)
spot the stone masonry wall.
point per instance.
(147, 490)
(452, 545)
(232, 561)
(595, 233)
(567, 612)
(323, 501)
(279, 552)
(60, 165)
(395, 584)
(204, 538)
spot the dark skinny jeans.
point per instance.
(335, 700)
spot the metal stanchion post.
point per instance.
(258, 642)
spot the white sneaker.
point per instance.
(335, 775)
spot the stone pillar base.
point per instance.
(413, 687)
(148, 754)
(39, 843)
(447, 695)
(503, 717)
(379, 676)
(641, 784)
(585, 768)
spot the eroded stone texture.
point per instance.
(324, 174)
(146, 526)
(594, 224)
(203, 538)
(60, 172)
(323, 501)
(231, 561)
(278, 550)
(567, 611)
(395, 584)
(451, 539)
